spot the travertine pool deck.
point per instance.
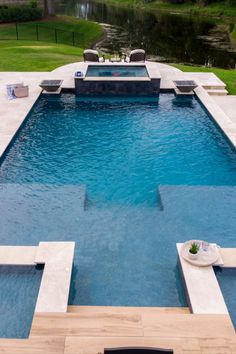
(228, 105)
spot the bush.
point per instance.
(16, 13)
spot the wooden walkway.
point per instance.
(87, 330)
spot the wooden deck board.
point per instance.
(126, 310)
(88, 345)
(36, 345)
(88, 330)
(189, 326)
(84, 325)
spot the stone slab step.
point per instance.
(217, 92)
(214, 87)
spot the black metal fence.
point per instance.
(41, 32)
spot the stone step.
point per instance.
(217, 92)
(214, 87)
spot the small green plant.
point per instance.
(194, 248)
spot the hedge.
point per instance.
(16, 13)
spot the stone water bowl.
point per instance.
(185, 85)
(50, 85)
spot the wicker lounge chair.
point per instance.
(137, 55)
(137, 350)
(92, 55)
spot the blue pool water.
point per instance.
(126, 178)
(227, 281)
(16, 285)
(116, 71)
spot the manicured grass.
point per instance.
(57, 29)
(36, 56)
(228, 76)
(27, 54)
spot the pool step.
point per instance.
(214, 87)
(119, 309)
(217, 92)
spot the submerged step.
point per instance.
(200, 212)
(48, 210)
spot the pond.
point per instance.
(166, 37)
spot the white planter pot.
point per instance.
(192, 255)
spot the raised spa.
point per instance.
(118, 79)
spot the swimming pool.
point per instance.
(227, 280)
(148, 166)
(116, 71)
(19, 286)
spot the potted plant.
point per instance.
(194, 250)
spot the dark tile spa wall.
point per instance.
(86, 87)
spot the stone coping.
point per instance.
(229, 257)
(223, 121)
(204, 294)
(18, 255)
(113, 78)
(58, 260)
(55, 285)
(153, 72)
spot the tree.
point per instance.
(49, 7)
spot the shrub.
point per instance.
(16, 13)
(33, 3)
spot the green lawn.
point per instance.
(228, 76)
(36, 56)
(27, 54)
